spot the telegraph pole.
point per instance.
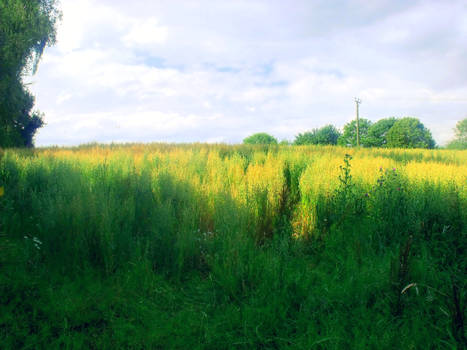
(357, 103)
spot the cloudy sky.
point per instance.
(220, 70)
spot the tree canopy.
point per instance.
(377, 133)
(405, 132)
(349, 136)
(327, 135)
(260, 138)
(409, 132)
(26, 28)
(460, 139)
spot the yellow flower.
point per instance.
(2, 191)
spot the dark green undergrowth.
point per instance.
(108, 257)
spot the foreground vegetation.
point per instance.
(232, 247)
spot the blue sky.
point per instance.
(218, 71)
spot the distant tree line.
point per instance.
(392, 132)
(26, 28)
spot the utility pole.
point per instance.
(357, 102)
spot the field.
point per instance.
(232, 247)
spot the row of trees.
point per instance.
(388, 132)
(26, 28)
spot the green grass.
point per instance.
(111, 255)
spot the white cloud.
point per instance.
(63, 97)
(174, 71)
(146, 33)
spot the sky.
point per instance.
(218, 71)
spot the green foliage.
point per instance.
(460, 139)
(26, 28)
(347, 199)
(409, 133)
(327, 135)
(260, 138)
(377, 133)
(306, 138)
(349, 136)
(389, 206)
(461, 129)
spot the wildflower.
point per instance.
(2, 191)
(393, 169)
(367, 195)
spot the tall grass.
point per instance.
(216, 247)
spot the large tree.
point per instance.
(460, 140)
(327, 135)
(409, 133)
(26, 28)
(377, 133)
(349, 136)
(260, 138)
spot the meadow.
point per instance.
(198, 246)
